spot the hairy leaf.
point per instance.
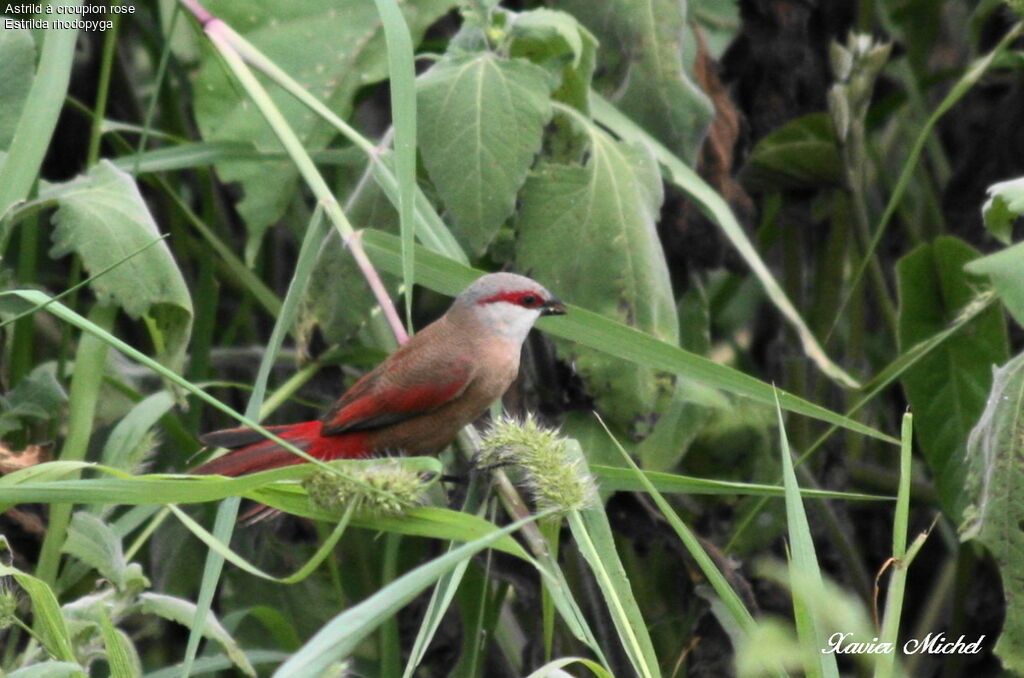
(557, 42)
(183, 612)
(995, 480)
(616, 267)
(480, 126)
(1004, 206)
(642, 58)
(342, 49)
(947, 388)
(1006, 271)
(102, 217)
(94, 543)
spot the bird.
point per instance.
(416, 401)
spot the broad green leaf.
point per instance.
(800, 154)
(102, 217)
(641, 57)
(17, 69)
(93, 542)
(1006, 271)
(342, 50)
(946, 389)
(995, 480)
(712, 204)
(557, 42)
(615, 267)
(1005, 205)
(183, 612)
(481, 120)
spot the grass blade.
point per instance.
(450, 277)
(403, 115)
(806, 583)
(339, 637)
(39, 115)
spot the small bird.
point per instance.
(417, 400)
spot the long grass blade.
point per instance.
(806, 581)
(590, 329)
(403, 114)
(336, 639)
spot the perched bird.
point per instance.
(417, 400)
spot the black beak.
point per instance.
(553, 306)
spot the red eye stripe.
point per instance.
(516, 298)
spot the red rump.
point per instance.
(266, 454)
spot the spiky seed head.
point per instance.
(555, 477)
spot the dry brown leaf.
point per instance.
(11, 461)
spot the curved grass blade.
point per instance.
(450, 277)
(339, 637)
(712, 204)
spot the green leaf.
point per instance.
(129, 442)
(17, 70)
(558, 43)
(947, 388)
(51, 626)
(641, 56)
(593, 536)
(343, 49)
(800, 154)
(805, 578)
(43, 105)
(38, 396)
(93, 542)
(1004, 205)
(341, 313)
(607, 209)
(481, 121)
(714, 205)
(994, 488)
(183, 612)
(49, 670)
(1006, 271)
(121, 655)
(102, 217)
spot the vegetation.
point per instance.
(786, 401)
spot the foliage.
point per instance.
(761, 273)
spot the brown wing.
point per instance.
(399, 389)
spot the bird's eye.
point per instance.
(529, 300)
